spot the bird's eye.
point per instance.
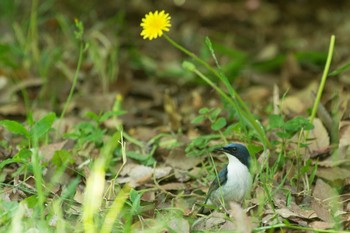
(234, 148)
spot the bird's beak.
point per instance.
(221, 149)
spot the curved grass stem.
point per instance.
(324, 78)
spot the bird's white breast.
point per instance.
(238, 183)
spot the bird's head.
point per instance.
(237, 150)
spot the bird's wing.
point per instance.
(217, 182)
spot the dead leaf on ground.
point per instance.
(293, 212)
(142, 133)
(344, 134)
(333, 173)
(298, 103)
(212, 222)
(172, 112)
(286, 213)
(137, 175)
(92, 102)
(177, 159)
(256, 93)
(179, 225)
(148, 196)
(47, 151)
(301, 212)
(320, 135)
(13, 109)
(321, 225)
(240, 219)
(322, 194)
(174, 186)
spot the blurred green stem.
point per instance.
(324, 78)
(33, 30)
(75, 80)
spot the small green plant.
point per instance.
(79, 32)
(29, 154)
(199, 145)
(287, 129)
(86, 132)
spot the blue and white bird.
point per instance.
(234, 181)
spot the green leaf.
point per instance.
(146, 160)
(188, 66)
(339, 70)
(22, 156)
(198, 119)
(110, 114)
(215, 114)
(284, 135)
(203, 111)
(232, 128)
(62, 157)
(219, 124)
(135, 198)
(92, 116)
(276, 121)
(31, 201)
(41, 127)
(15, 127)
(298, 123)
(198, 141)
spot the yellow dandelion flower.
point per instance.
(154, 24)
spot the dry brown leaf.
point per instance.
(177, 159)
(286, 213)
(64, 125)
(256, 93)
(181, 175)
(211, 222)
(160, 172)
(268, 52)
(322, 192)
(344, 134)
(13, 109)
(137, 175)
(96, 102)
(320, 135)
(148, 196)
(47, 151)
(293, 105)
(172, 112)
(179, 225)
(270, 219)
(174, 186)
(293, 212)
(298, 103)
(143, 133)
(303, 213)
(321, 225)
(333, 173)
(240, 218)
(79, 195)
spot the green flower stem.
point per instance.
(322, 84)
(75, 80)
(235, 100)
(324, 78)
(194, 56)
